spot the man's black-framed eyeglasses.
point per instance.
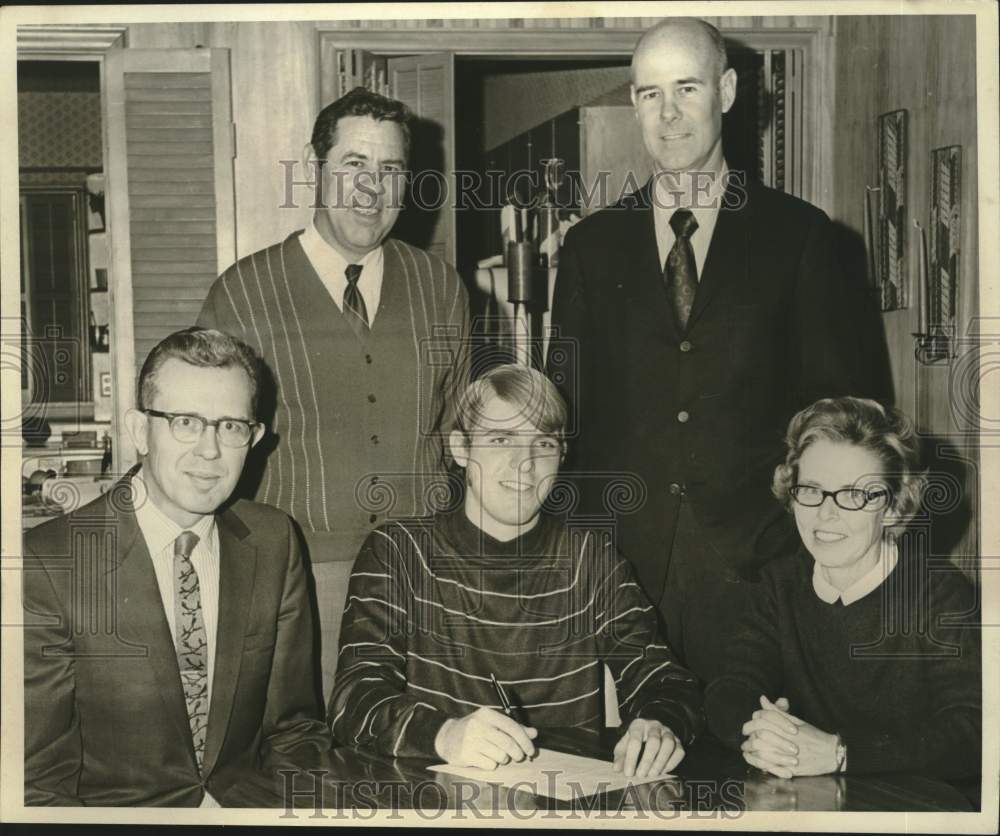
(848, 499)
(187, 428)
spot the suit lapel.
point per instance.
(237, 570)
(728, 254)
(141, 616)
(641, 270)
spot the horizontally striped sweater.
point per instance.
(357, 427)
(436, 605)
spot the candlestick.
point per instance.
(923, 291)
(870, 242)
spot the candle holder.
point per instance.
(523, 294)
(932, 347)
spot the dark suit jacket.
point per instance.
(775, 325)
(105, 718)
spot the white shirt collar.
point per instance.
(328, 260)
(330, 265)
(667, 199)
(158, 530)
(868, 582)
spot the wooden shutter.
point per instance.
(170, 198)
(426, 83)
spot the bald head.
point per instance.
(680, 89)
(688, 30)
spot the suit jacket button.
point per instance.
(372, 518)
(685, 346)
(675, 489)
(683, 417)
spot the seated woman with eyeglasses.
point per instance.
(855, 656)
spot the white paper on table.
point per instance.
(553, 775)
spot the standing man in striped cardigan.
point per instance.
(365, 337)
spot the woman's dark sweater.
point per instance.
(896, 673)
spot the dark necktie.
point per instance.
(191, 641)
(680, 271)
(354, 303)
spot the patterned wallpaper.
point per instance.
(57, 129)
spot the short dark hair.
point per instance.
(204, 347)
(358, 102)
(885, 432)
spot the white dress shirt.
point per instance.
(868, 582)
(330, 266)
(160, 532)
(704, 205)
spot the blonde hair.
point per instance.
(536, 397)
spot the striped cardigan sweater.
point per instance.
(436, 605)
(357, 427)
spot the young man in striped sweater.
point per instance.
(365, 337)
(498, 587)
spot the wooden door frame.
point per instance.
(86, 42)
(74, 42)
(545, 43)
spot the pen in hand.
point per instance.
(504, 702)
(508, 710)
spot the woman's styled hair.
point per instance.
(887, 433)
(536, 397)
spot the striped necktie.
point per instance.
(354, 303)
(681, 271)
(191, 641)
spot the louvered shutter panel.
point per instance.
(170, 196)
(425, 83)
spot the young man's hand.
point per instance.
(660, 749)
(485, 739)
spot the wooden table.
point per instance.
(711, 778)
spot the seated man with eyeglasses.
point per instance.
(854, 657)
(168, 635)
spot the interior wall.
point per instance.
(275, 82)
(927, 66)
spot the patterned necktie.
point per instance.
(190, 640)
(354, 303)
(680, 272)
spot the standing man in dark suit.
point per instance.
(366, 337)
(167, 636)
(704, 311)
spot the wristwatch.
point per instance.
(841, 754)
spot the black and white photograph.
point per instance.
(498, 415)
